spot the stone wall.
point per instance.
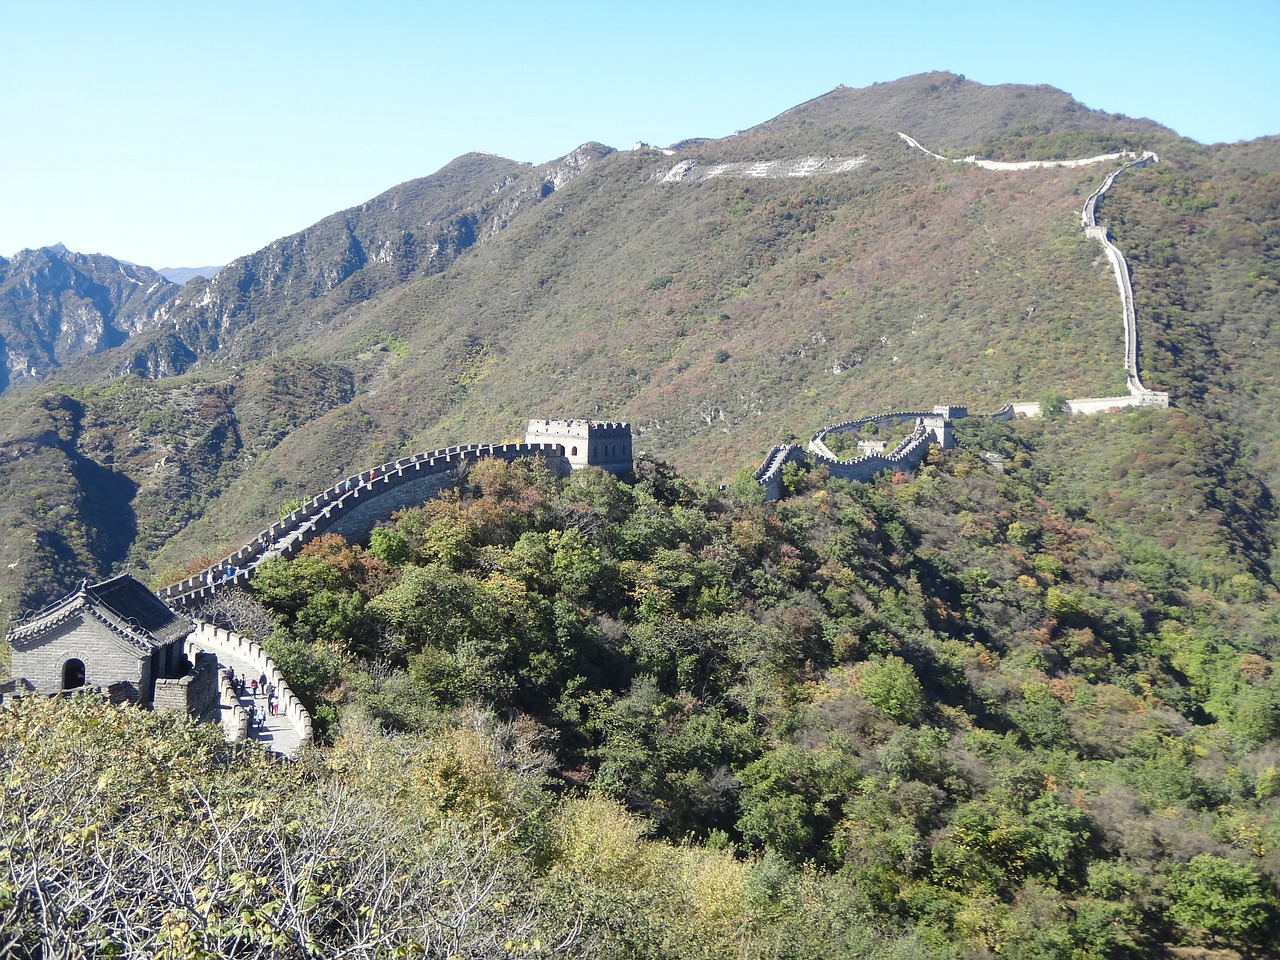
(769, 475)
(936, 426)
(197, 695)
(1088, 406)
(353, 506)
(234, 717)
(1027, 164)
(1120, 268)
(210, 639)
(1089, 220)
(373, 505)
(905, 456)
(595, 443)
(107, 658)
(929, 427)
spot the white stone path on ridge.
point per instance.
(275, 733)
(1025, 164)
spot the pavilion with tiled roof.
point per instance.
(116, 636)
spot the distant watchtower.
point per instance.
(594, 443)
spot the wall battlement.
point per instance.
(354, 505)
(595, 443)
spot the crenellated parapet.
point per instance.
(769, 475)
(928, 428)
(1120, 267)
(596, 443)
(352, 507)
(230, 647)
(1092, 230)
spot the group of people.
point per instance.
(360, 480)
(228, 576)
(259, 688)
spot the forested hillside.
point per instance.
(1028, 710)
(968, 713)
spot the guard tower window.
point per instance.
(73, 674)
(573, 451)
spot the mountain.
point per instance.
(57, 306)
(966, 117)
(182, 275)
(281, 296)
(1021, 702)
(720, 297)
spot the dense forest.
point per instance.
(972, 712)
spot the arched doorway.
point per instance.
(73, 674)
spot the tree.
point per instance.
(744, 489)
(286, 585)
(1053, 405)
(1228, 902)
(390, 546)
(132, 834)
(890, 685)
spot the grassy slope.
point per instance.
(615, 301)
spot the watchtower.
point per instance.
(116, 635)
(595, 443)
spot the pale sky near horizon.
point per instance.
(189, 134)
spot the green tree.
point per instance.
(890, 685)
(1227, 902)
(286, 585)
(390, 546)
(1053, 405)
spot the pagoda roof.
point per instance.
(122, 604)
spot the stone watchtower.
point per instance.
(116, 636)
(940, 424)
(594, 443)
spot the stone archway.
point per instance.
(73, 675)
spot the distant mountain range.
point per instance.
(720, 295)
(56, 306)
(181, 275)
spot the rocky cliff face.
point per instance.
(56, 306)
(304, 283)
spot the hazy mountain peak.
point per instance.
(184, 275)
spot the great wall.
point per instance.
(355, 504)
(351, 508)
(911, 450)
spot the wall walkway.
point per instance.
(1089, 220)
(911, 450)
(286, 733)
(352, 507)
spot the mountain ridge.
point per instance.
(718, 315)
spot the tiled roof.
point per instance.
(122, 604)
(129, 600)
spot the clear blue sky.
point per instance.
(190, 133)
